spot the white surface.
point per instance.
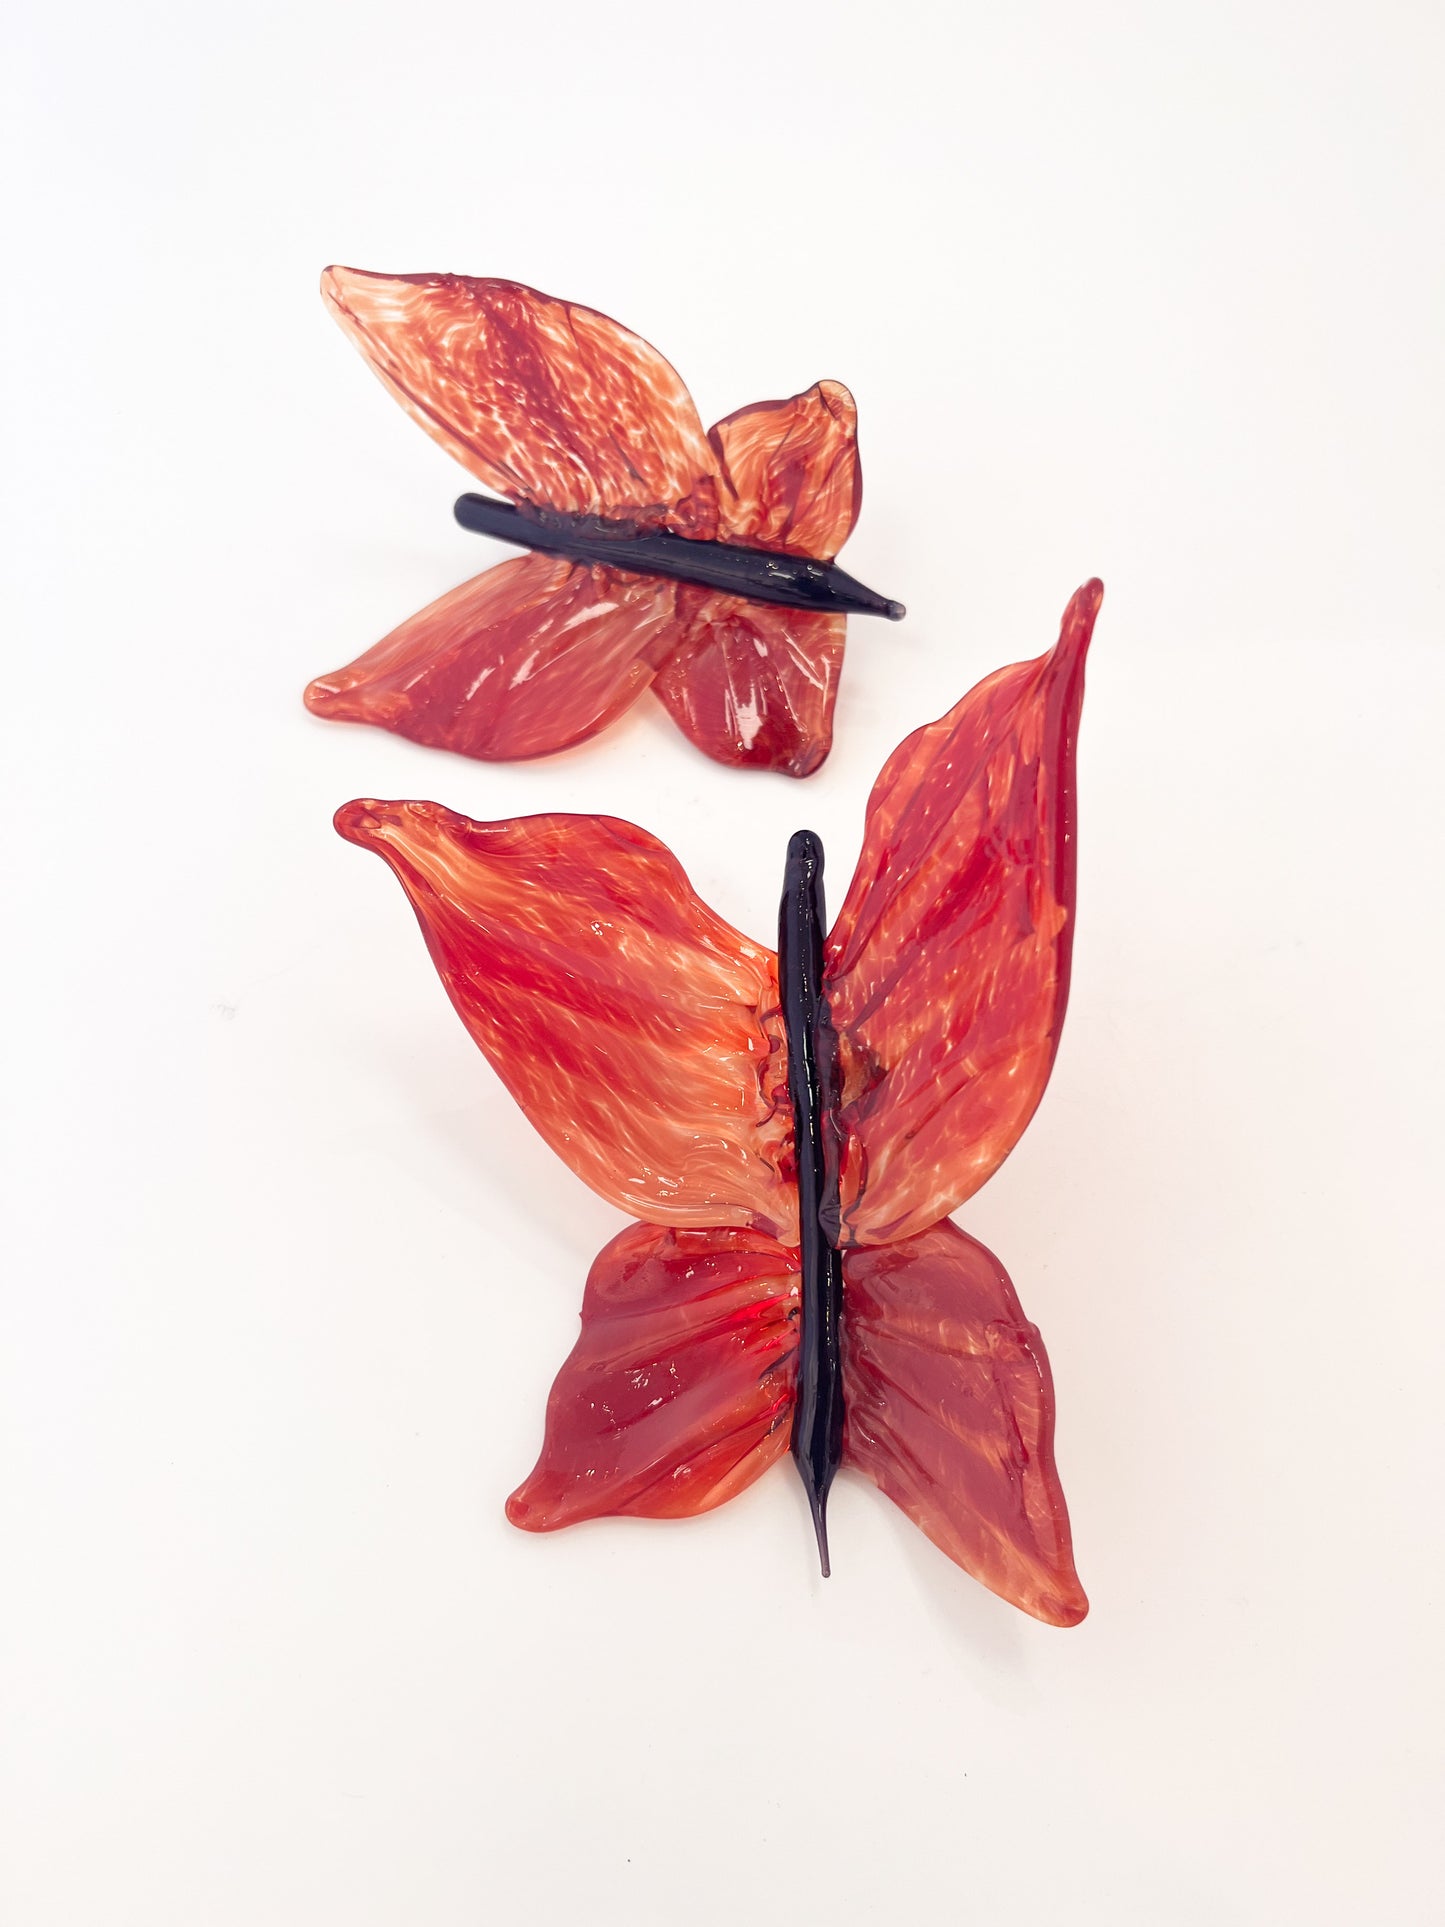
(1148, 291)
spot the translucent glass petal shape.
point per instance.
(754, 685)
(793, 479)
(948, 966)
(542, 400)
(679, 1391)
(531, 657)
(629, 1022)
(950, 1411)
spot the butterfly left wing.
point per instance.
(750, 683)
(679, 1392)
(545, 401)
(635, 1028)
(531, 657)
(947, 969)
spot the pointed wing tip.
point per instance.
(323, 698)
(522, 1513)
(356, 295)
(335, 281)
(837, 398)
(1083, 608)
(1076, 631)
(1064, 1609)
(364, 819)
(382, 826)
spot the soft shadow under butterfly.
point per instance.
(793, 1130)
(700, 565)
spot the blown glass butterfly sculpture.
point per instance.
(698, 564)
(792, 1131)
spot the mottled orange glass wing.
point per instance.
(630, 1023)
(950, 1411)
(947, 969)
(679, 1391)
(792, 478)
(542, 400)
(527, 658)
(753, 685)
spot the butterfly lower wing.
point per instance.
(950, 1412)
(530, 657)
(947, 969)
(753, 684)
(679, 1391)
(792, 478)
(543, 400)
(635, 1028)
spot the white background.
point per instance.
(1148, 291)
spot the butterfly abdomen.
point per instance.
(760, 575)
(817, 1442)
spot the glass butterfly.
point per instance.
(699, 565)
(792, 1131)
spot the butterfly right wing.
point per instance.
(950, 1411)
(545, 401)
(752, 684)
(530, 657)
(635, 1028)
(947, 969)
(791, 475)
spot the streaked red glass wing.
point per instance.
(792, 476)
(679, 1391)
(543, 400)
(947, 970)
(753, 685)
(950, 1411)
(629, 1022)
(530, 657)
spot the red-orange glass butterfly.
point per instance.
(793, 1130)
(701, 565)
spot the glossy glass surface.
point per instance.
(680, 1390)
(637, 1030)
(950, 1411)
(645, 1039)
(567, 413)
(948, 964)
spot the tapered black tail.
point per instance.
(766, 575)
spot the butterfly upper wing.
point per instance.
(792, 479)
(950, 1411)
(530, 657)
(630, 1023)
(679, 1391)
(542, 400)
(947, 969)
(753, 684)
